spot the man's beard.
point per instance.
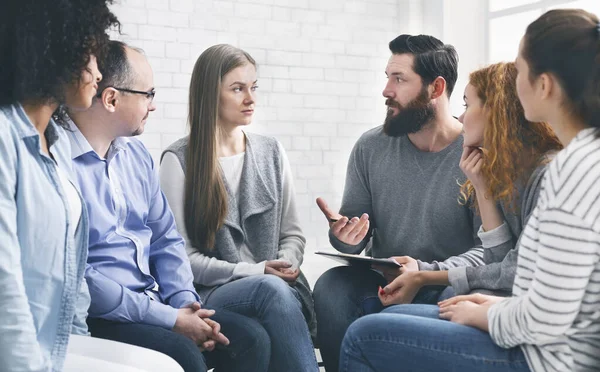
(411, 118)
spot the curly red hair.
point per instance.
(512, 146)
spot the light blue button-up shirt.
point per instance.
(43, 297)
(133, 245)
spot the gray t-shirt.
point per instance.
(411, 197)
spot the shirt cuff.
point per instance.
(457, 276)
(495, 237)
(161, 315)
(183, 299)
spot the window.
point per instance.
(507, 20)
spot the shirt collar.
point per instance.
(80, 145)
(26, 128)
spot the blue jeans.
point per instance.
(413, 338)
(248, 350)
(346, 293)
(275, 305)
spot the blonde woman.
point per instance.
(233, 199)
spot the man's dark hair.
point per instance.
(432, 58)
(46, 44)
(115, 68)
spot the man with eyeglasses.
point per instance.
(138, 273)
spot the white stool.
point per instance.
(98, 355)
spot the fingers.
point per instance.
(351, 231)
(476, 298)
(394, 285)
(204, 313)
(216, 334)
(329, 214)
(383, 297)
(208, 345)
(447, 312)
(278, 264)
(286, 277)
(388, 298)
(466, 152)
(473, 157)
(216, 327)
(221, 339)
(359, 231)
(195, 306)
(470, 157)
(336, 227)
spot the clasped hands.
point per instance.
(194, 322)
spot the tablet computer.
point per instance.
(355, 259)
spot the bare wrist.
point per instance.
(421, 278)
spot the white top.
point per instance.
(554, 314)
(73, 201)
(172, 181)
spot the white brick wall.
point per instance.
(321, 72)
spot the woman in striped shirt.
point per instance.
(552, 322)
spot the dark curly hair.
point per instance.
(46, 44)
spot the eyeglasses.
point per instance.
(149, 94)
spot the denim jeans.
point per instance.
(344, 294)
(248, 350)
(276, 306)
(413, 338)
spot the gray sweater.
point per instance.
(256, 221)
(500, 246)
(411, 197)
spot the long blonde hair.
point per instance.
(205, 192)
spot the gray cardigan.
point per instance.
(257, 219)
(500, 247)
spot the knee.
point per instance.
(254, 340)
(361, 328)
(275, 288)
(341, 284)
(332, 278)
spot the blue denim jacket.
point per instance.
(43, 294)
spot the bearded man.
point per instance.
(401, 194)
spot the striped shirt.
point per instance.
(554, 314)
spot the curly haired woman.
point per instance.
(504, 159)
(47, 64)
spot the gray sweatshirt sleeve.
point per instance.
(356, 200)
(498, 273)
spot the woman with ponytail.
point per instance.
(552, 320)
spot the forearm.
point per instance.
(433, 278)
(472, 257)
(210, 271)
(491, 216)
(112, 301)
